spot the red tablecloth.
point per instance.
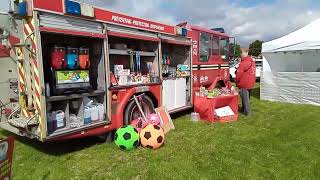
(206, 107)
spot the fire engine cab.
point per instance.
(78, 68)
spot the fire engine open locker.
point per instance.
(79, 67)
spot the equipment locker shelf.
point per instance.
(133, 62)
(72, 101)
(125, 52)
(75, 96)
(68, 130)
(176, 81)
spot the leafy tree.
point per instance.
(237, 50)
(255, 48)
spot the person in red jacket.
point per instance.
(245, 80)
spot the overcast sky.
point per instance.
(247, 20)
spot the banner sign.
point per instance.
(130, 21)
(6, 152)
(57, 6)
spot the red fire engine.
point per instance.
(79, 66)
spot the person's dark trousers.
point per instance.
(245, 98)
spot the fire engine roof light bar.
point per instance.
(24, 9)
(72, 7)
(181, 31)
(221, 30)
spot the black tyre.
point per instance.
(108, 137)
(132, 111)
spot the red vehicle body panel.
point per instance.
(207, 73)
(211, 75)
(51, 5)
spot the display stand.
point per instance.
(74, 74)
(206, 107)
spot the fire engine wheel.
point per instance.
(132, 111)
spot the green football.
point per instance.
(127, 138)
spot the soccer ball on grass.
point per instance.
(152, 136)
(126, 138)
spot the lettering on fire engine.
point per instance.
(195, 78)
(142, 24)
(195, 48)
(226, 74)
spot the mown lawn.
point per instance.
(280, 141)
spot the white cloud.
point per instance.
(264, 21)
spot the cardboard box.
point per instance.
(117, 69)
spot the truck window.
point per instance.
(205, 47)
(258, 63)
(224, 49)
(215, 45)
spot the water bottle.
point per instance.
(60, 117)
(87, 115)
(94, 113)
(101, 112)
(195, 117)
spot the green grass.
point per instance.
(280, 141)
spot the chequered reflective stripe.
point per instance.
(29, 33)
(19, 55)
(22, 79)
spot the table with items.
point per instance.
(217, 105)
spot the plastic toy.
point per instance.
(154, 119)
(126, 138)
(72, 58)
(152, 136)
(58, 56)
(84, 60)
(139, 124)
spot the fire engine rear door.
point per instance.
(121, 31)
(174, 39)
(65, 24)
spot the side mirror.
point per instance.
(232, 49)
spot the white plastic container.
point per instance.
(195, 117)
(101, 112)
(94, 113)
(60, 117)
(87, 115)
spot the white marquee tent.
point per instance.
(291, 69)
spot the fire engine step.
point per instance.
(66, 131)
(8, 127)
(22, 122)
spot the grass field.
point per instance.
(280, 141)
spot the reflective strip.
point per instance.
(25, 113)
(209, 68)
(34, 72)
(209, 65)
